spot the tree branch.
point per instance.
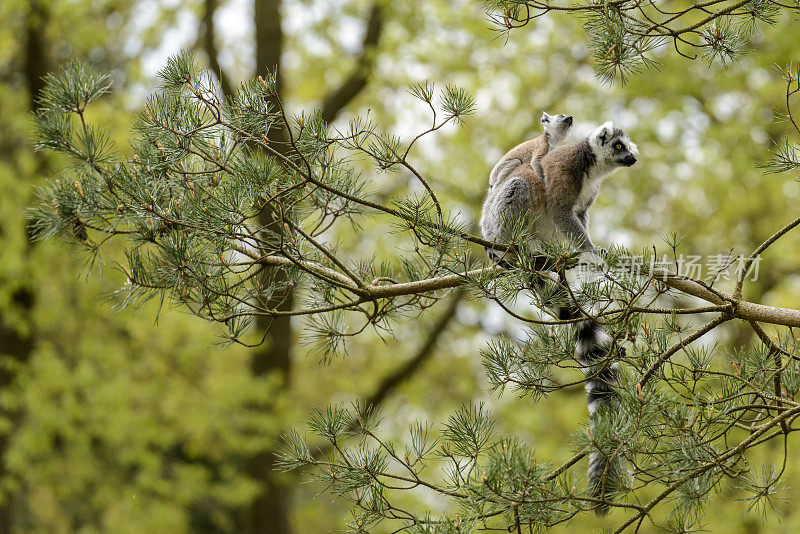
(678, 346)
(337, 99)
(775, 351)
(740, 309)
(761, 248)
(209, 32)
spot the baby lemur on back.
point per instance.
(532, 151)
(524, 160)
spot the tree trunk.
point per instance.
(16, 347)
(269, 512)
(36, 63)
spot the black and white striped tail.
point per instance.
(592, 346)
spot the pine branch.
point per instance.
(682, 344)
(232, 209)
(622, 34)
(741, 309)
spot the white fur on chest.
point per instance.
(591, 186)
(589, 190)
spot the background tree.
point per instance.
(243, 503)
(204, 168)
(81, 385)
(436, 38)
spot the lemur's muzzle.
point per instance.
(628, 160)
(568, 120)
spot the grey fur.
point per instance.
(574, 173)
(522, 161)
(513, 199)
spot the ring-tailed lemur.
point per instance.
(592, 350)
(522, 161)
(558, 207)
(558, 204)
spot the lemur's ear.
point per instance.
(603, 133)
(545, 117)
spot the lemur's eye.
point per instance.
(618, 146)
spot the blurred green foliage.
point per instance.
(115, 425)
(118, 424)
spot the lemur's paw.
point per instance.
(594, 257)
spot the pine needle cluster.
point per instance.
(622, 34)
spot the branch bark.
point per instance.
(775, 351)
(678, 346)
(740, 309)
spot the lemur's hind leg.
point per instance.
(552, 289)
(509, 206)
(503, 169)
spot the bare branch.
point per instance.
(741, 309)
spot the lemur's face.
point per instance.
(613, 146)
(556, 125)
